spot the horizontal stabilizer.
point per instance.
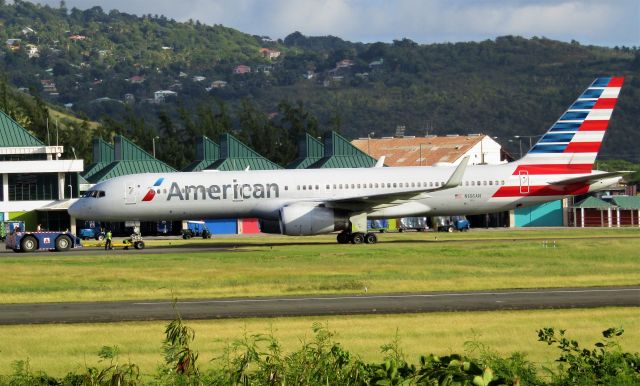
(590, 178)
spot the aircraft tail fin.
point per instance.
(572, 143)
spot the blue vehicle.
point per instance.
(91, 233)
(452, 223)
(23, 241)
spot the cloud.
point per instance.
(614, 22)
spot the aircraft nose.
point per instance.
(76, 209)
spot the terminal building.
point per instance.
(38, 183)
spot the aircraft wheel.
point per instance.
(343, 238)
(138, 244)
(63, 243)
(28, 244)
(370, 238)
(357, 238)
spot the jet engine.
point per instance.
(301, 220)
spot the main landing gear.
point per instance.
(357, 238)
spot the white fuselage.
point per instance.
(261, 194)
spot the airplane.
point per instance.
(320, 201)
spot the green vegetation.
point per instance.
(270, 351)
(92, 59)
(264, 266)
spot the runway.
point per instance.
(526, 299)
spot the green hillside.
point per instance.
(108, 67)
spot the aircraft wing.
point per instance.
(590, 178)
(384, 200)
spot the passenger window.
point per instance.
(304, 187)
(340, 186)
(394, 185)
(370, 185)
(317, 187)
(484, 183)
(328, 187)
(490, 182)
(502, 182)
(298, 187)
(286, 187)
(334, 186)
(358, 186)
(159, 191)
(353, 186)
(430, 184)
(376, 185)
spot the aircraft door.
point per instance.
(131, 194)
(524, 182)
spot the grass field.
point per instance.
(72, 347)
(263, 266)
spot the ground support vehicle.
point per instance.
(91, 233)
(21, 241)
(412, 223)
(196, 229)
(451, 223)
(134, 241)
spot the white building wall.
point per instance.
(487, 151)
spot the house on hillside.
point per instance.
(344, 63)
(136, 79)
(269, 53)
(161, 96)
(48, 86)
(32, 51)
(26, 31)
(218, 84)
(76, 37)
(14, 44)
(198, 78)
(241, 69)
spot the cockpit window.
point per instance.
(94, 193)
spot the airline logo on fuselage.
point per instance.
(234, 191)
(152, 191)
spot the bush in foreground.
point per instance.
(259, 360)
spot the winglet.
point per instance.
(380, 162)
(456, 177)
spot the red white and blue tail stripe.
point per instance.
(572, 143)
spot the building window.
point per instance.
(33, 187)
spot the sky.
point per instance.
(598, 22)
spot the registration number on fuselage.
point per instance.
(473, 195)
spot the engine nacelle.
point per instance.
(299, 220)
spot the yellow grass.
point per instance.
(58, 349)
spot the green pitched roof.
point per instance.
(310, 151)
(235, 155)
(128, 158)
(12, 134)
(93, 168)
(125, 150)
(593, 203)
(627, 202)
(207, 152)
(103, 155)
(126, 167)
(340, 153)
